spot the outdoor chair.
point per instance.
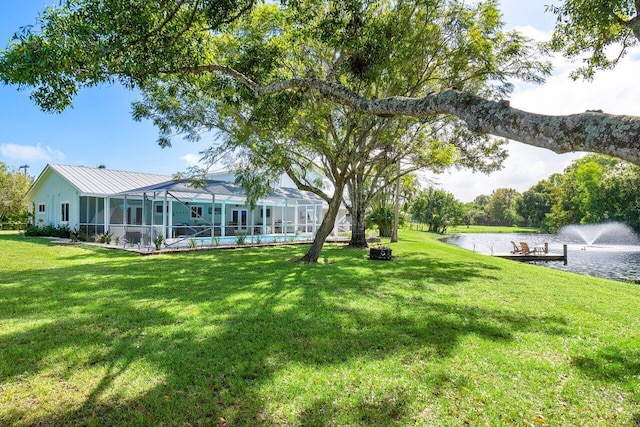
(526, 250)
(516, 249)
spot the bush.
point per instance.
(13, 225)
(241, 238)
(382, 217)
(104, 238)
(157, 241)
(48, 231)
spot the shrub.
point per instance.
(48, 231)
(104, 238)
(241, 239)
(382, 217)
(157, 241)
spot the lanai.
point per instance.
(211, 211)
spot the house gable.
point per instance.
(47, 196)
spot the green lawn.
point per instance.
(439, 336)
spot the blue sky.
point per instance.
(99, 129)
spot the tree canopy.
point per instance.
(83, 43)
(594, 27)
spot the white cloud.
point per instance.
(191, 159)
(613, 91)
(534, 33)
(31, 153)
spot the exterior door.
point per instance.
(239, 219)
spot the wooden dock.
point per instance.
(536, 256)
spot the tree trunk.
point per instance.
(358, 226)
(328, 222)
(396, 209)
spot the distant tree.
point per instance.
(13, 187)
(472, 214)
(501, 208)
(437, 208)
(481, 200)
(579, 197)
(619, 187)
(592, 189)
(535, 203)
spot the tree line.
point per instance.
(13, 187)
(592, 189)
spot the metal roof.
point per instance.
(97, 181)
(108, 182)
(185, 189)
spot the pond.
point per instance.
(602, 259)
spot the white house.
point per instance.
(139, 206)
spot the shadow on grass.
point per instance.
(20, 238)
(611, 364)
(219, 328)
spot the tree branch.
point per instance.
(592, 131)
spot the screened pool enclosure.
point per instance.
(210, 213)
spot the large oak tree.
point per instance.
(292, 133)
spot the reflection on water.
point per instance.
(619, 262)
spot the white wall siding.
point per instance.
(52, 191)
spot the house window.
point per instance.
(196, 211)
(64, 212)
(41, 207)
(159, 209)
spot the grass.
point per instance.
(490, 229)
(439, 336)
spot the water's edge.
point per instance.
(611, 261)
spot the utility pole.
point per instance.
(25, 167)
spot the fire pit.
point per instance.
(380, 253)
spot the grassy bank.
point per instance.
(439, 336)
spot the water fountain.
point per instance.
(608, 250)
(607, 234)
